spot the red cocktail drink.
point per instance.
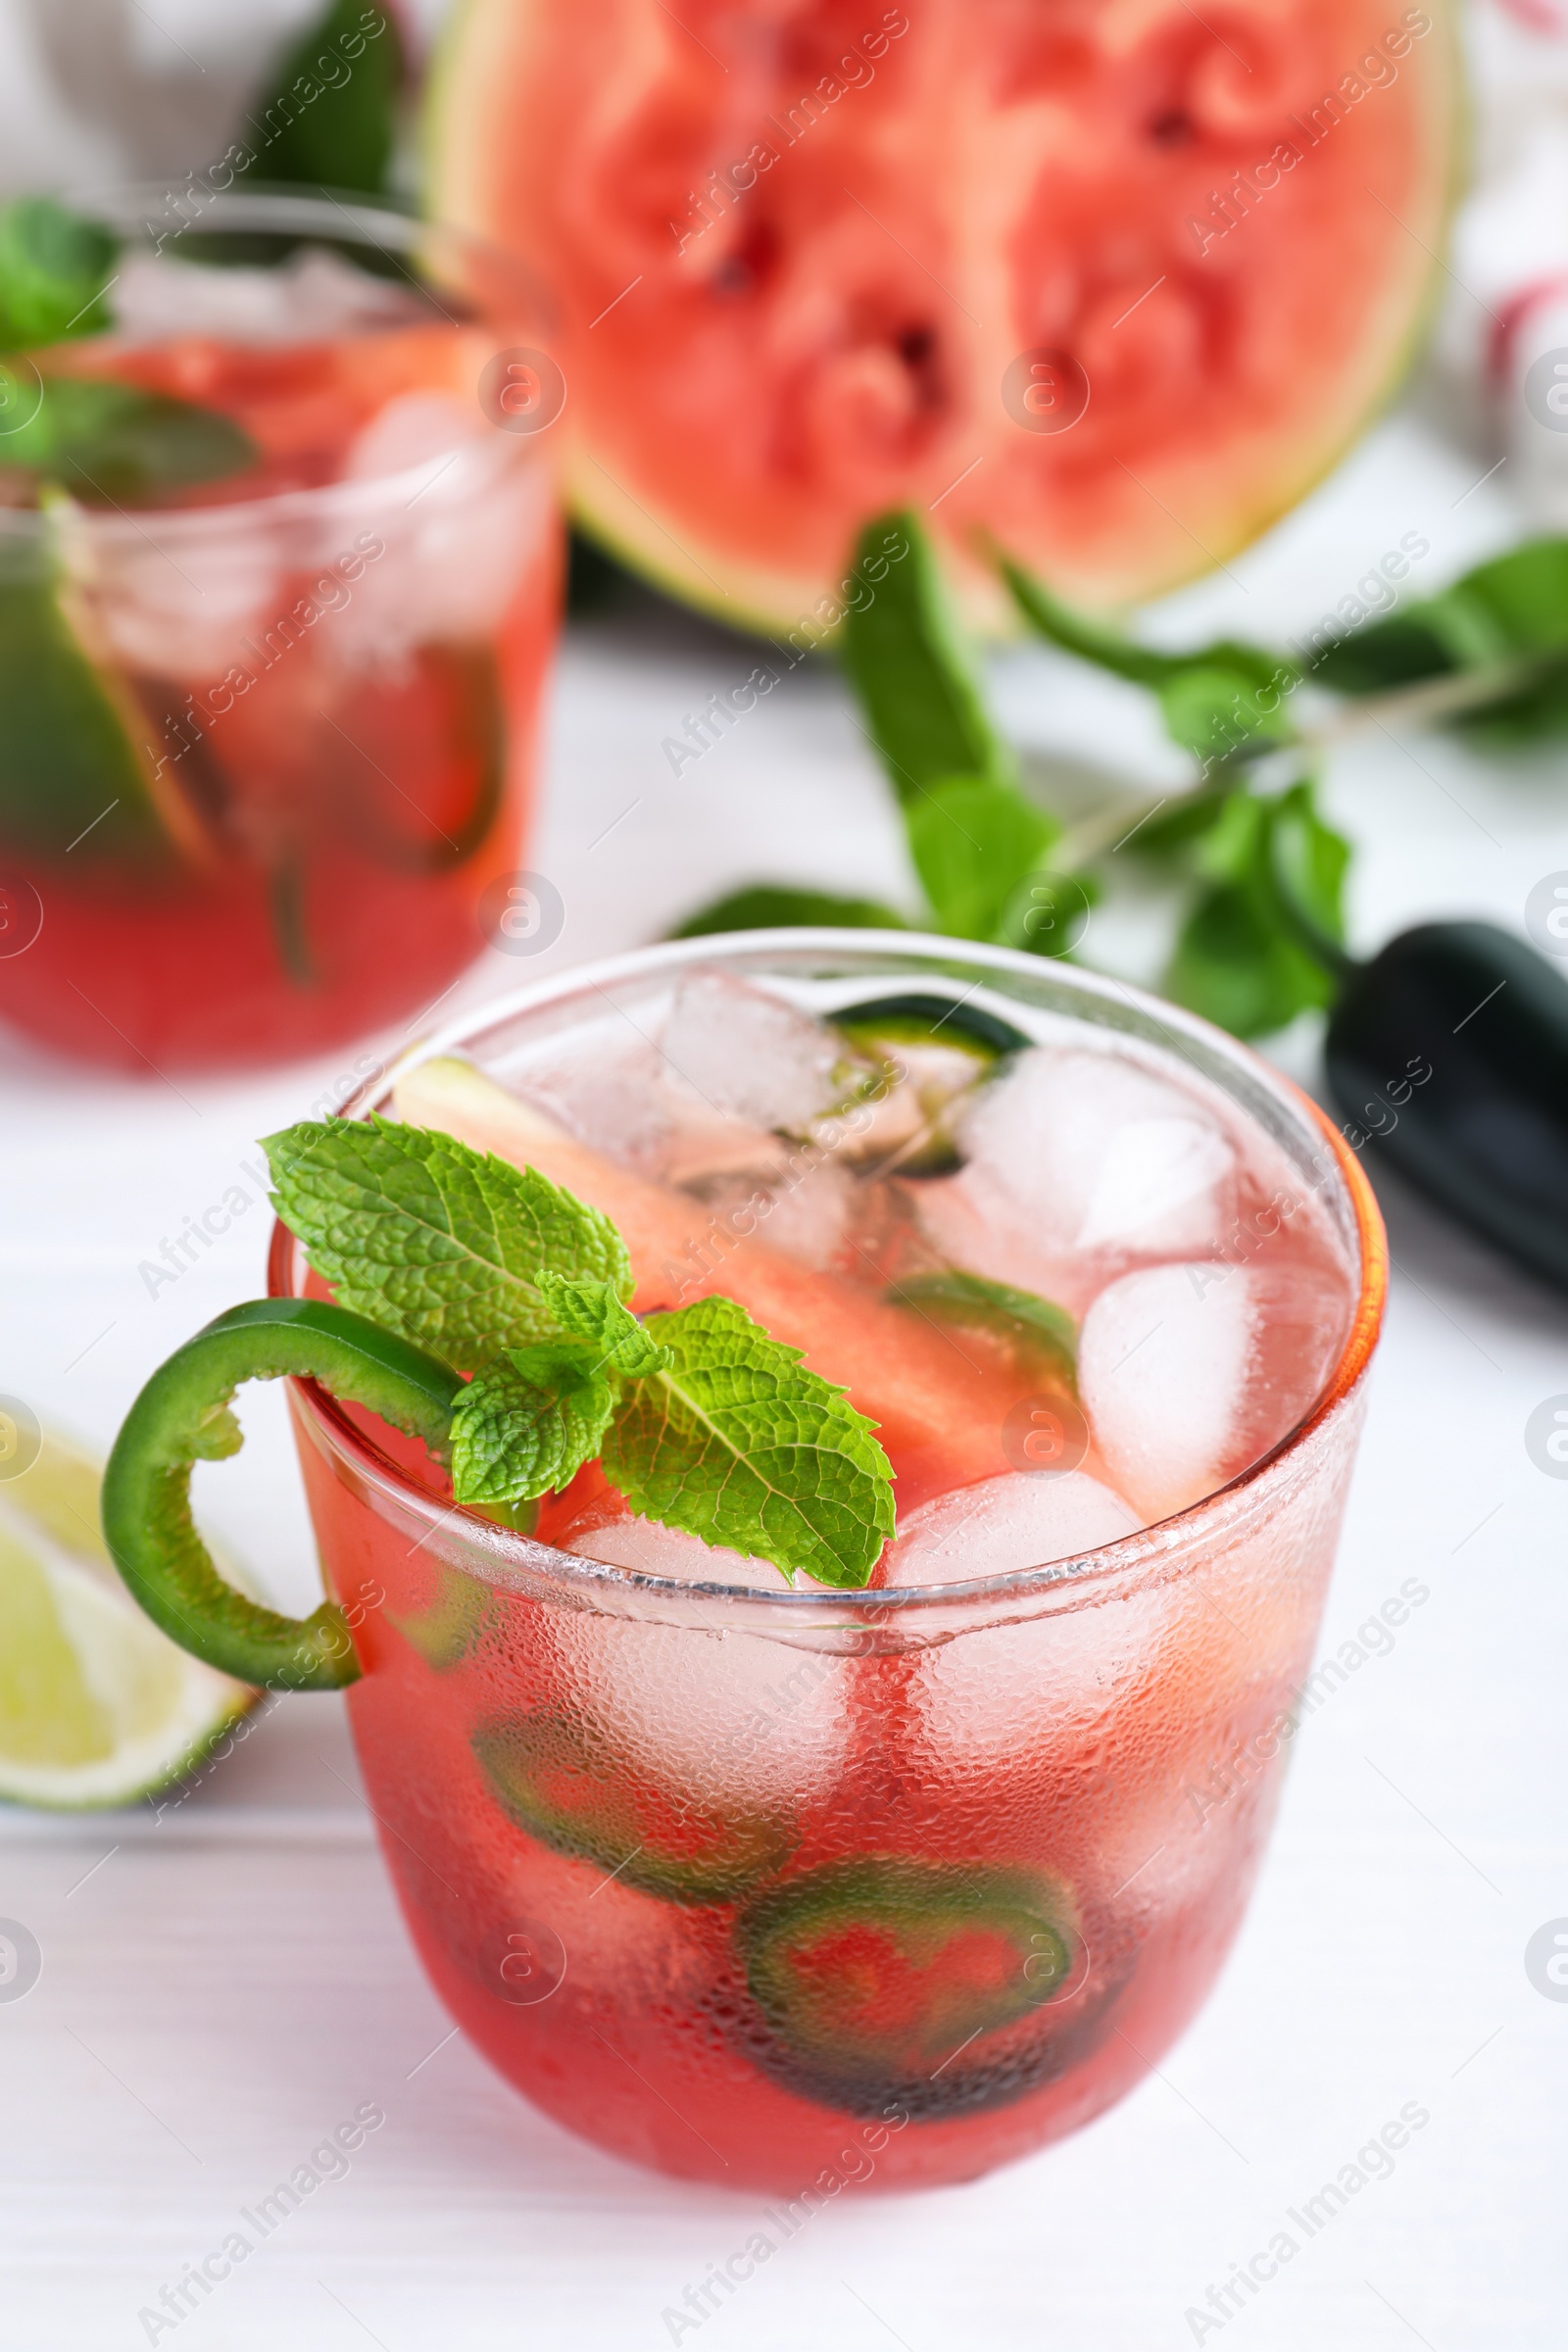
(269, 722)
(747, 1880)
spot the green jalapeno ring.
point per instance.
(183, 1416)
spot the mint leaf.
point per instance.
(973, 841)
(115, 445)
(738, 1444)
(527, 1422)
(1237, 960)
(1225, 701)
(330, 115)
(1381, 658)
(910, 670)
(1216, 714)
(435, 1240)
(1036, 1330)
(591, 1311)
(53, 268)
(764, 907)
(1046, 912)
(1511, 610)
(1182, 826)
(1142, 664)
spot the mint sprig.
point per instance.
(975, 843)
(112, 444)
(978, 843)
(526, 1424)
(595, 1312)
(54, 270)
(435, 1241)
(994, 864)
(735, 1440)
(1224, 701)
(107, 443)
(1488, 653)
(912, 674)
(702, 1420)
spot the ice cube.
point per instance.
(971, 1221)
(1162, 1359)
(1189, 1372)
(906, 1121)
(1004, 1524)
(606, 1089)
(180, 609)
(1001, 1692)
(460, 533)
(746, 1053)
(714, 1713)
(417, 428)
(613, 1091)
(159, 296)
(801, 1203)
(1153, 1171)
(648, 1549)
(1093, 1155)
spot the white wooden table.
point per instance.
(224, 1986)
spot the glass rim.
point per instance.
(286, 208)
(1082, 1574)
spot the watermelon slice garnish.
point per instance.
(1117, 286)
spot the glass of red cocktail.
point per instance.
(744, 1881)
(278, 595)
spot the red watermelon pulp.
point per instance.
(1115, 280)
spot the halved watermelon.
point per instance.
(1116, 281)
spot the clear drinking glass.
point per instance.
(1011, 1822)
(267, 737)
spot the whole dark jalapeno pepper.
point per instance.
(1447, 1053)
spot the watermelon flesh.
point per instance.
(940, 1411)
(1116, 283)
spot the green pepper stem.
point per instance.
(182, 1417)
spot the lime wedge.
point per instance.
(97, 1707)
(77, 771)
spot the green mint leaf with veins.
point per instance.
(54, 268)
(593, 1311)
(433, 1240)
(737, 1442)
(526, 1424)
(973, 842)
(702, 1420)
(915, 679)
(115, 445)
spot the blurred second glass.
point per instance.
(279, 566)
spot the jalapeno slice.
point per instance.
(938, 1048)
(919, 1018)
(182, 1417)
(1036, 1333)
(889, 1980)
(561, 1782)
